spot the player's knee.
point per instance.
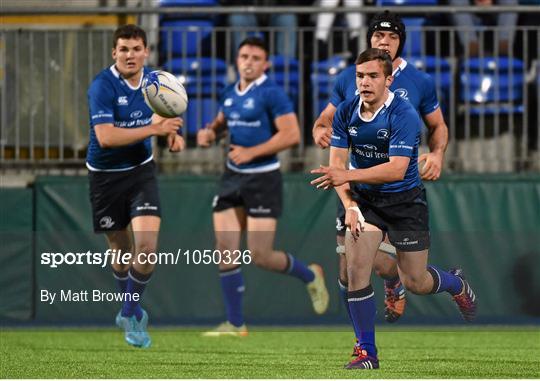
(412, 284)
(258, 257)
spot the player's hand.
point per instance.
(354, 220)
(168, 126)
(432, 167)
(331, 177)
(240, 155)
(322, 136)
(206, 136)
(175, 142)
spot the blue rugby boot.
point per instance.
(135, 332)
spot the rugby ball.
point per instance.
(164, 94)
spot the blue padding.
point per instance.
(279, 63)
(492, 64)
(204, 108)
(187, 36)
(187, 3)
(192, 66)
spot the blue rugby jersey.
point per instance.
(111, 99)
(250, 118)
(394, 130)
(409, 83)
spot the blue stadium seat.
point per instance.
(204, 78)
(406, 2)
(284, 71)
(323, 78)
(440, 70)
(415, 36)
(185, 37)
(492, 84)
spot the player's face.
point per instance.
(388, 41)
(371, 81)
(251, 62)
(129, 55)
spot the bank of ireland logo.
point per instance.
(106, 222)
(383, 134)
(369, 147)
(402, 93)
(353, 130)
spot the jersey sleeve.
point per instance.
(100, 102)
(339, 91)
(404, 132)
(429, 102)
(278, 102)
(340, 136)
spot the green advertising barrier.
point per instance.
(16, 277)
(489, 225)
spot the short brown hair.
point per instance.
(255, 41)
(129, 31)
(372, 54)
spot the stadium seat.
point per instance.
(185, 37)
(323, 78)
(415, 36)
(406, 2)
(284, 71)
(441, 71)
(492, 85)
(204, 78)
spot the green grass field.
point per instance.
(472, 352)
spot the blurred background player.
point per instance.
(383, 196)
(123, 186)
(387, 32)
(260, 119)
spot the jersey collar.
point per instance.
(386, 104)
(117, 74)
(257, 82)
(400, 68)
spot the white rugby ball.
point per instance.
(164, 94)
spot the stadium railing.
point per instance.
(490, 102)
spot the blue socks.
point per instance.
(121, 279)
(298, 269)
(362, 309)
(444, 281)
(344, 293)
(136, 284)
(232, 285)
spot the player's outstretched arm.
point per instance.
(322, 128)
(208, 135)
(437, 141)
(110, 136)
(287, 135)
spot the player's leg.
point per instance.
(422, 279)
(360, 255)
(120, 242)
(385, 266)
(260, 240)
(228, 226)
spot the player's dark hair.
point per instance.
(389, 22)
(255, 41)
(129, 31)
(380, 55)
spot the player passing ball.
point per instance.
(383, 195)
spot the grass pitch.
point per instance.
(310, 353)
